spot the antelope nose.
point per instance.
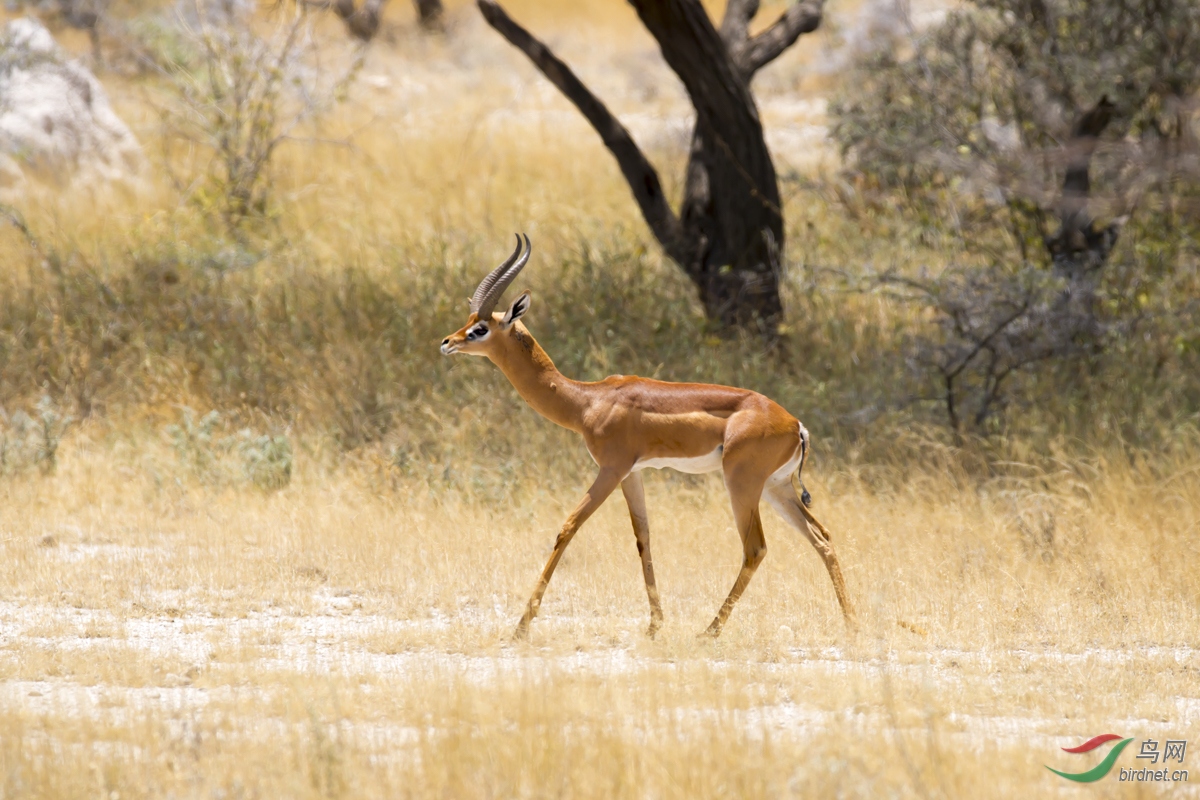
(446, 346)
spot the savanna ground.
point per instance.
(311, 592)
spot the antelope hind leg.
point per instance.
(783, 499)
(635, 498)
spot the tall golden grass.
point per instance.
(348, 635)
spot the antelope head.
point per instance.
(484, 328)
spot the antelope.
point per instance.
(629, 424)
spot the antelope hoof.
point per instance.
(521, 634)
(652, 629)
(711, 632)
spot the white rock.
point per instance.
(28, 34)
(1004, 137)
(56, 123)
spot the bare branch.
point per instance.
(761, 50)
(638, 171)
(735, 27)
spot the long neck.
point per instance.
(534, 376)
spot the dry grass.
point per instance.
(168, 629)
(348, 636)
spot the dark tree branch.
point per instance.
(1077, 234)
(727, 115)
(731, 194)
(363, 23)
(1095, 120)
(430, 14)
(638, 171)
(735, 27)
(697, 54)
(761, 50)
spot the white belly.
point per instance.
(784, 474)
(710, 462)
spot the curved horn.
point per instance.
(489, 283)
(490, 289)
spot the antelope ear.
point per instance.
(516, 310)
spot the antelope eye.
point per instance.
(477, 333)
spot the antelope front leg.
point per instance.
(601, 488)
(635, 498)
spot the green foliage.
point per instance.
(346, 356)
(974, 127)
(348, 359)
(156, 45)
(28, 441)
(983, 102)
(195, 445)
(266, 460)
(262, 459)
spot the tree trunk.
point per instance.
(731, 218)
(734, 232)
(728, 237)
(1079, 247)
